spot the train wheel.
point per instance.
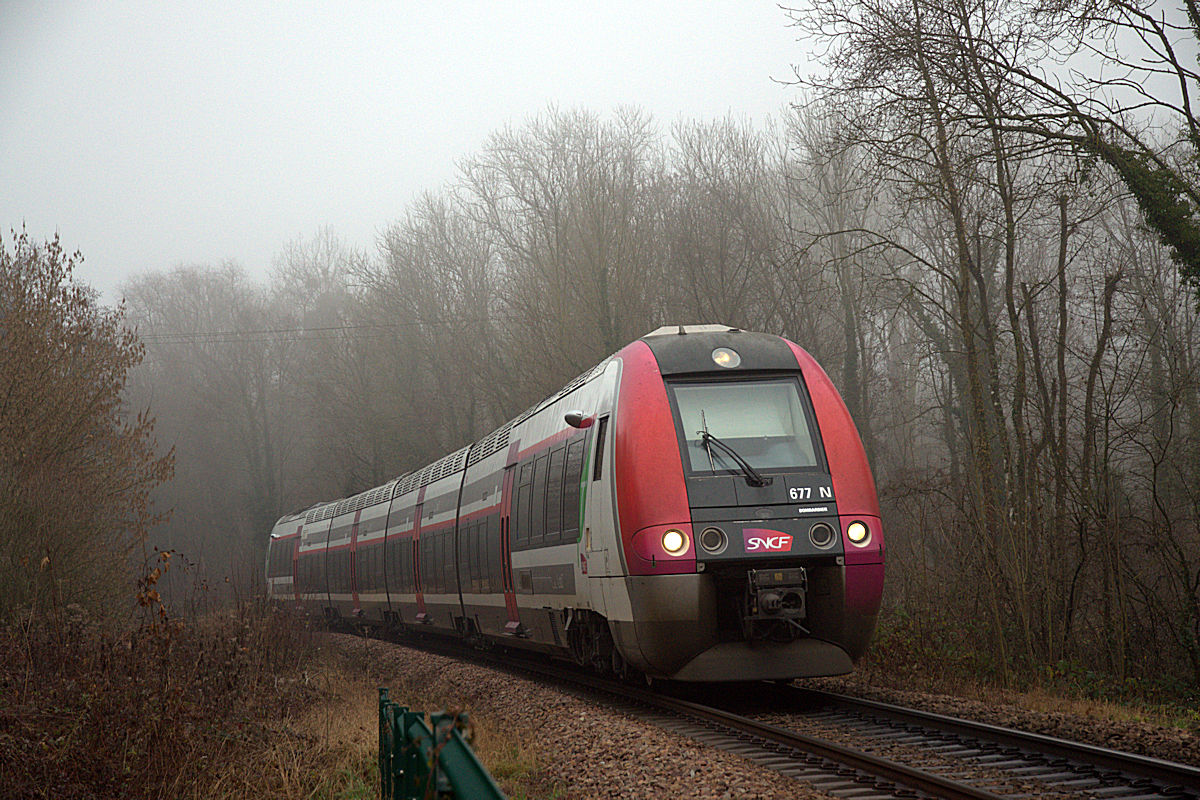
(619, 667)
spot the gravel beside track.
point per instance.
(585, 748)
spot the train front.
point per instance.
(748, 515)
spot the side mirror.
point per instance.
(576, 419)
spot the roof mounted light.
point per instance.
(726, 357)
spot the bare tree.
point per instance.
(77, 465)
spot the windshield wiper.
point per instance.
(753, 476)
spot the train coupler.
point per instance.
(775, 604)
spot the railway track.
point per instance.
(1057, 764)
(866, 750)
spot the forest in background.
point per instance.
(993, 269)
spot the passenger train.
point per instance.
(698, 507)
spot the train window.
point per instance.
(479, 563)
(436, 564)
(494, 555)
(601, 429)
(401, 581)
(391, 550)
(523, 517)
(537, 533)
(448, 566)
(424, 558)
(473, 557)
(554, 487)
(763, 421)
(432, 569)
(397, 571)
(439, 562)
(570, 491)
(410, 567)
(414, 566)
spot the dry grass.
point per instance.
(241, 704)
(920, 670)
(163, 710)
(326, 750)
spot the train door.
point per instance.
(296, 564)
(354, 587)
(418, 567)
(513, 626)
(600, 540)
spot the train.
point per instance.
(696, 507)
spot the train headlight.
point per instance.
(858, 533)
(674, 541)
(725, 357)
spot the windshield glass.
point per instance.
(762, 420)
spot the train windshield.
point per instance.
(763, 421)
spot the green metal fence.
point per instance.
(416, 763)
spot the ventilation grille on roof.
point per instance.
(494, 442)
(379, 494)
(437, 470)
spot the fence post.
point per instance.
(412, 757)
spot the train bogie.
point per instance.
(698, 506)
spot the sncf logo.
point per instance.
(761, 540)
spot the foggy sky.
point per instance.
(154, 134)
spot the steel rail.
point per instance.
(1169, 774)
(855, 759)
(881, 768)
(1171, 779)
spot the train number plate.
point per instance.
(805, 494)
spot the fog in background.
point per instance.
(983, 221)
(152, 134)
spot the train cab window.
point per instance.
(764, 422)
(601, 429)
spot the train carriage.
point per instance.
(698, 506)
